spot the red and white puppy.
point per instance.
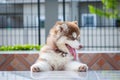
(59, 51)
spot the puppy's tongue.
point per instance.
(72, 51)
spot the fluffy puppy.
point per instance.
(59, 52)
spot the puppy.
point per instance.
(59, 51)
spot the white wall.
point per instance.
(20, 36)
(89, 37)
(30, 13)
(105, 36)
(67, 11)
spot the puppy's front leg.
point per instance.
(76, 66)
(40, 66)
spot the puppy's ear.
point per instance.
(76, 22)
(62, 27)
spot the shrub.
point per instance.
(21, 47)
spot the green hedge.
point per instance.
(21, 47)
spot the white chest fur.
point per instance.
(56, 59)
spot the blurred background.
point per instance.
(29, 21)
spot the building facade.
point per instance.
(19, 23)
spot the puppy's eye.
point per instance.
(71, 38)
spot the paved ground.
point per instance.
(60, 75)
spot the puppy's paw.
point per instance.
(83, 68)
(35, 68)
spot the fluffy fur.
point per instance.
(59, 51)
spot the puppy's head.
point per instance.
(67, 36)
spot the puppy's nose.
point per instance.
(80, 46)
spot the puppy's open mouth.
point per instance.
(71, 50)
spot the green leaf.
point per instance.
(110, 4)
(97, 11)
(110, 9)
